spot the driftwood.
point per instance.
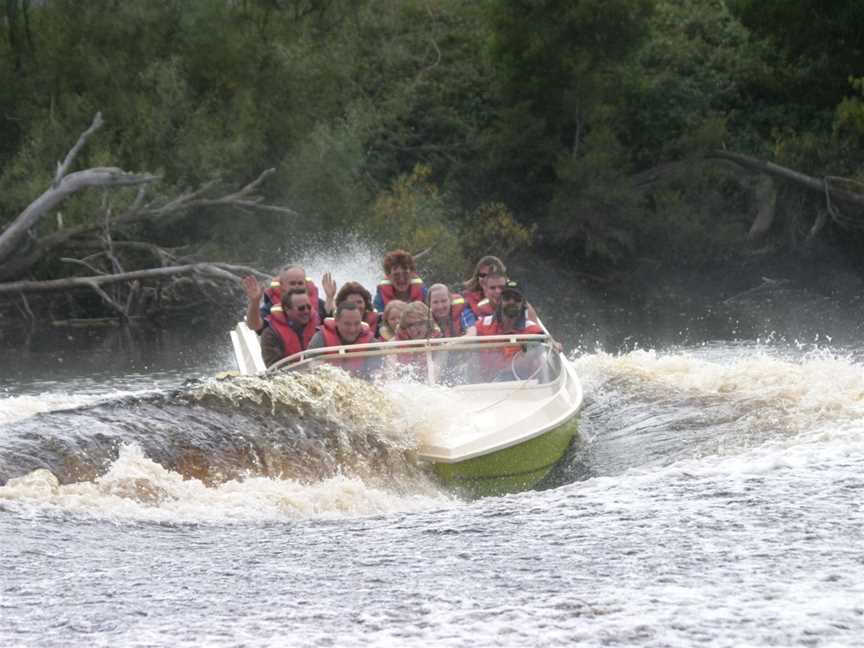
(110, 259)
(126, 308)
(20, 250)
(208, 269)
(63, 186)
(778, 171)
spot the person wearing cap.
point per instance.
(510, 317)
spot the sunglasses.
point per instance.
(303, 307)
(511, 297)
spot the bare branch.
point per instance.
(82, 263)
(62, 169)
(206, 269)
(12, 236)
(244, 270)
(244, 198)
(106, 297)
(776, 170)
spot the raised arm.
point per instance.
(329, 285)
(253, 293)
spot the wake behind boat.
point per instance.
(517, 399)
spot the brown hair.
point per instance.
(345, 306)
(285, 300)
(398, 258)
(496, 266)
(354, 288)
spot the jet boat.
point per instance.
(512, 401)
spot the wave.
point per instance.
(136, 488)
(308, 435)
(649, 409)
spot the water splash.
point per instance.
(136, 488)
(650, 409)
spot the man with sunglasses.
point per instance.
(291, 327)
(510, 315)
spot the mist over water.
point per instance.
(714, 496)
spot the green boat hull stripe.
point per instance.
(505, 471)
(504, 475)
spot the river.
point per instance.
(714, 498)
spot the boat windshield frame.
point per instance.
(425, 345)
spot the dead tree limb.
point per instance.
(63, 169)
(13, 235)
(207, 269)
(778, 171)
(107, 298)
(243, 198)
(63, 186)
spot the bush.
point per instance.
(413, 215)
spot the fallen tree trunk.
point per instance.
(62, 187)
(208, 269)
(21, 250)
(801, 179)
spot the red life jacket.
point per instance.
(484, 308)
(291, 344)
(496, 360)
(472, 298)
(489, 325)
(274, 292)
(388, 292)
(372, 320)
(332, 339)
(457, 305)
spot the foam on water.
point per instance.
(807, 397)
(136, 488)
(733, 415)
(16, 408)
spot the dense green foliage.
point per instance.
(473, 126)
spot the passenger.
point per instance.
(473, 292)
(401, 281)
(290, 327)
(488, 305)
(390, 320)
(416, 323)
(356, 294)
(291, 277)
(510, 317)
(346, 328)
(446, 310)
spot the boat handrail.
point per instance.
(377, 349)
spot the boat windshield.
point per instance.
(450, 362)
